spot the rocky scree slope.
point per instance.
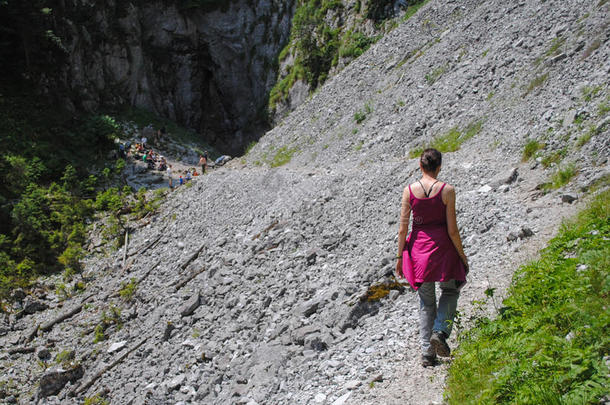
(257, 284)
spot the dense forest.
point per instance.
(48, 193)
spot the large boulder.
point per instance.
(54, 380)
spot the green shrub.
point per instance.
(529, 150)
(547, 345)
(98, 333)
(109, 200)
(355, 44)
(107, 320)
(144, 206)
(361, 115)
(65, 359)
(555, 48)
(128, 290)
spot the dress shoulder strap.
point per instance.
(440, 192)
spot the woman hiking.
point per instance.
(432, 253)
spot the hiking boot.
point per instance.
(439, 343)
(429, 360)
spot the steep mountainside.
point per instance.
(326, 35)
(206, 64)
(269, 280)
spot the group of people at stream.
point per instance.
(432, 252)
(141, 151)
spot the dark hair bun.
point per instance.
(430, 159)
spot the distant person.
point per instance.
(431, 253)
(188, 175)
(144, 140)
(162, 164)
(203, 162)
(181, 180)
(169, 174)
(159, 135)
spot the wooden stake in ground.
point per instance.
(125, 248)
(97, 375)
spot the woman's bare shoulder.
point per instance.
(448, 193)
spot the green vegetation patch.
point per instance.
(354, 44)
(282, 156)
(433, 76)
(529, 150)
(604, 107)
(450, 141)
(97, 399)
(588, 92)
(553, 157)
(548, 344)
(413, 8)
(361, 115)
(128, 289)
(536, 82)
(561, 177)
(317, 42)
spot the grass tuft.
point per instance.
(433, 76)
(563, 175)
(529, 150)
(128, 290)
(535, 83)
(450, 141)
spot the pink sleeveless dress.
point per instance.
(429, 254)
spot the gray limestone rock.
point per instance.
(190, 305)
(506, 177)
(54, 380)
(43, 353)
(32, 305)
(568, 198)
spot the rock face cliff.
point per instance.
(208, 68)
(269, 280)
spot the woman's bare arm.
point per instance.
(403, 228)
(452, 228)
